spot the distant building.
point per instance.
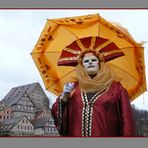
(19, 126)
(44, 127)
(45, 113)
(24, 111)
(141, 121)
(6, 113)
(34, 91)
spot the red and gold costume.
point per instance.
(103, 113)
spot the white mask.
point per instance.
(90, 63)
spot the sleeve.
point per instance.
(59, 112)
(126, 114)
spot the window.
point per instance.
(49, 128)
(19, 106)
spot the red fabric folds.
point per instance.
(111, 114)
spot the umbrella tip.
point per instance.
(143, 42)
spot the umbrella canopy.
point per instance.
(63, 39)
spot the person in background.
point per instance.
(94, 106)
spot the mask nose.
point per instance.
(90, 61)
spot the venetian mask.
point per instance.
(90, 63)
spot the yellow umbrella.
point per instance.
(62, 40)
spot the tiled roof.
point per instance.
(40, 122)
(11, 121)
(8, 124)
(39, 112)
(17, 92)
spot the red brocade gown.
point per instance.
(106, 114)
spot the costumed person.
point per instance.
(96, 105)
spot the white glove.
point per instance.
(68, 87)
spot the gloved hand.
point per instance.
(68, 87)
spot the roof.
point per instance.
(17, 92)
(6, 108)
(40, 122)
(7, 125)
(39, 112)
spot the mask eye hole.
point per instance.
(94, 60)
(86, 61)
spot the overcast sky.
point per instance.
(20, 30)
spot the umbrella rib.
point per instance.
(126, 47)
(71, 32)
(127, 73)
(45, 52)
(65, 28)
(61, 78)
